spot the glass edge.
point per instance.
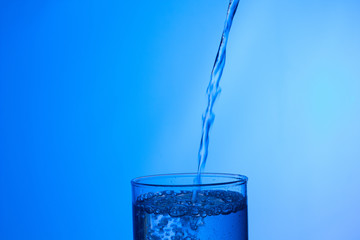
(240, 179)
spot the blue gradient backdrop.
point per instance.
(94, 93)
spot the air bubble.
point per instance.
(178, 211)
(227, 208)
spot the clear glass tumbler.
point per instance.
(175, 207)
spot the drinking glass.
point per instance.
(179, 207)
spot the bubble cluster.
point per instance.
(178, 204)
(173, 215)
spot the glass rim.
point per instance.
(233, 179)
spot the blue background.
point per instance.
(94, 93)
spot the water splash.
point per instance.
(213, 88)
